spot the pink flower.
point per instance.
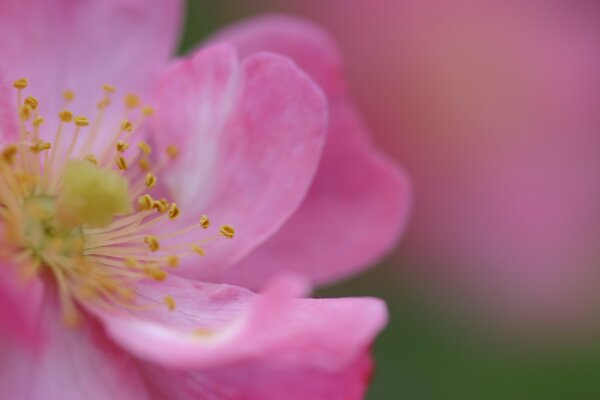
(233, 166)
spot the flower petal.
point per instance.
(62, 44)
(77, 363)
(250, 135)
(359, 201)
(217, 325)
(20, 311)
(262, 379)
(8, 121)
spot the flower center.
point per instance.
(80, 213)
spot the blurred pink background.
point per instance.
(494, 108)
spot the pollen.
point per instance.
(204, 222)
(227, 231)
(81, 210)
(170, 302)
(132, 100)
(68, 95)
(66, 116)
(20, 83)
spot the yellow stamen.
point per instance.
(227, 231)
(170, 302)
(145, 148)
(126, 126)
(20, 83)
(109, 88)
(91, 158)
(122, 146)
(132, 100)
(121, 163)
(150, 180)
(172, 261)
(69, 215)
(32, 102)
(66, 116)
(68, 95)
(199, 250)
(152, 242)
(204, 221)
(174, 211)
(147, 111)
(81, 121)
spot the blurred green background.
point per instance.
(424, 354)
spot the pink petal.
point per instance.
(21, 302)
(262, 380)
(359, 201)
(251, 135)
(8, 121)
(77, 363)
(217, 325)
(79, 45)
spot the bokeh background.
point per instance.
(493, 107)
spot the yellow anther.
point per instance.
(108, 88)
(160, 206)
(152, 242)
(172, 151)
(81, 121)
(37, 121)
(132, 100)
(170, 302)
(227, 231)
(91, 158)
(156, 274)
(25, 112)
(150, 180)
(145, 148)
(9, 153)
(204, 221)
(32, 102)
(174, 211)
(102, 104)
(41, 146)
(131, 262)
(144, 164)
(20, 83)
(66, 116)
(122, 146)
(147, 111)
(126, 126)
(121, 163)
(68, 95)
(172, 261)
(198, 250)
(146, 202)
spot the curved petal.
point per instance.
(354, 212)
(359, 199)
(250, 135)
(79, 45)
(77, 363)
(262, 379)
(217, 325)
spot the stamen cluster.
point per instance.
(78, 210)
